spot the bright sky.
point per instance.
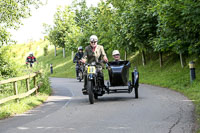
(33, 26)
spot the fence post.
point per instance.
(28, 84)
(35, 84)
(16, 90)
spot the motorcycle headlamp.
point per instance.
(93, 63)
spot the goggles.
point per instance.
(116, 55)
(93, 41)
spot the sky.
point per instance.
(32, 27)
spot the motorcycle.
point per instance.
(95, 81)
(118, 77)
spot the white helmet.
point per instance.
(115, 52)
(80, 48)
(30, 53)
(93, 38)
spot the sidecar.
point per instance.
(119, 78)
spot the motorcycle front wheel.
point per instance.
(90, 86)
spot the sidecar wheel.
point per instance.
(136, 92)
(90, 91)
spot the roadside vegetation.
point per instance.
(13, 65)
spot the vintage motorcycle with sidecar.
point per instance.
(118, 79)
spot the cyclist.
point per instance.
(30, 59)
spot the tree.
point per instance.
(11, 14)
(138, 24)
(178, 26)
(65, 32)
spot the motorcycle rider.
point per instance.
(30, 59)
(116, 55)
(93, 53)
(77, 59)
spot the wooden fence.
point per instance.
(14, 81)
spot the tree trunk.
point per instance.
(182, 60)
(161, 59)
(64, 53)
(143, 58)
(125, 55)
(55, 51)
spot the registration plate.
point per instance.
(91, 69)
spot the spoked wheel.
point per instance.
(130, 87)
(80, 76)
(90, 91)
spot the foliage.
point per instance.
(12, 59)
(45, 50)
(11, 14)
(65, 31)
(7, 65)
(155, 25)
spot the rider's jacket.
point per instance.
(30, 59)
(94, 55)
(77, 57)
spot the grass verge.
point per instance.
(18, 53)
(12, 108)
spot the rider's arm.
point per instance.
(104, 54)
(75, 58)
(84, 58)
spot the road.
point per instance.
(158, 110)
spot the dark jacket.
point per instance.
(78, 57)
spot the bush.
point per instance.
(46, 50)
(7, 65)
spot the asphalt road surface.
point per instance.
(158, 110)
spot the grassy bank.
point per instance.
(18, 53)
(62, 67)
